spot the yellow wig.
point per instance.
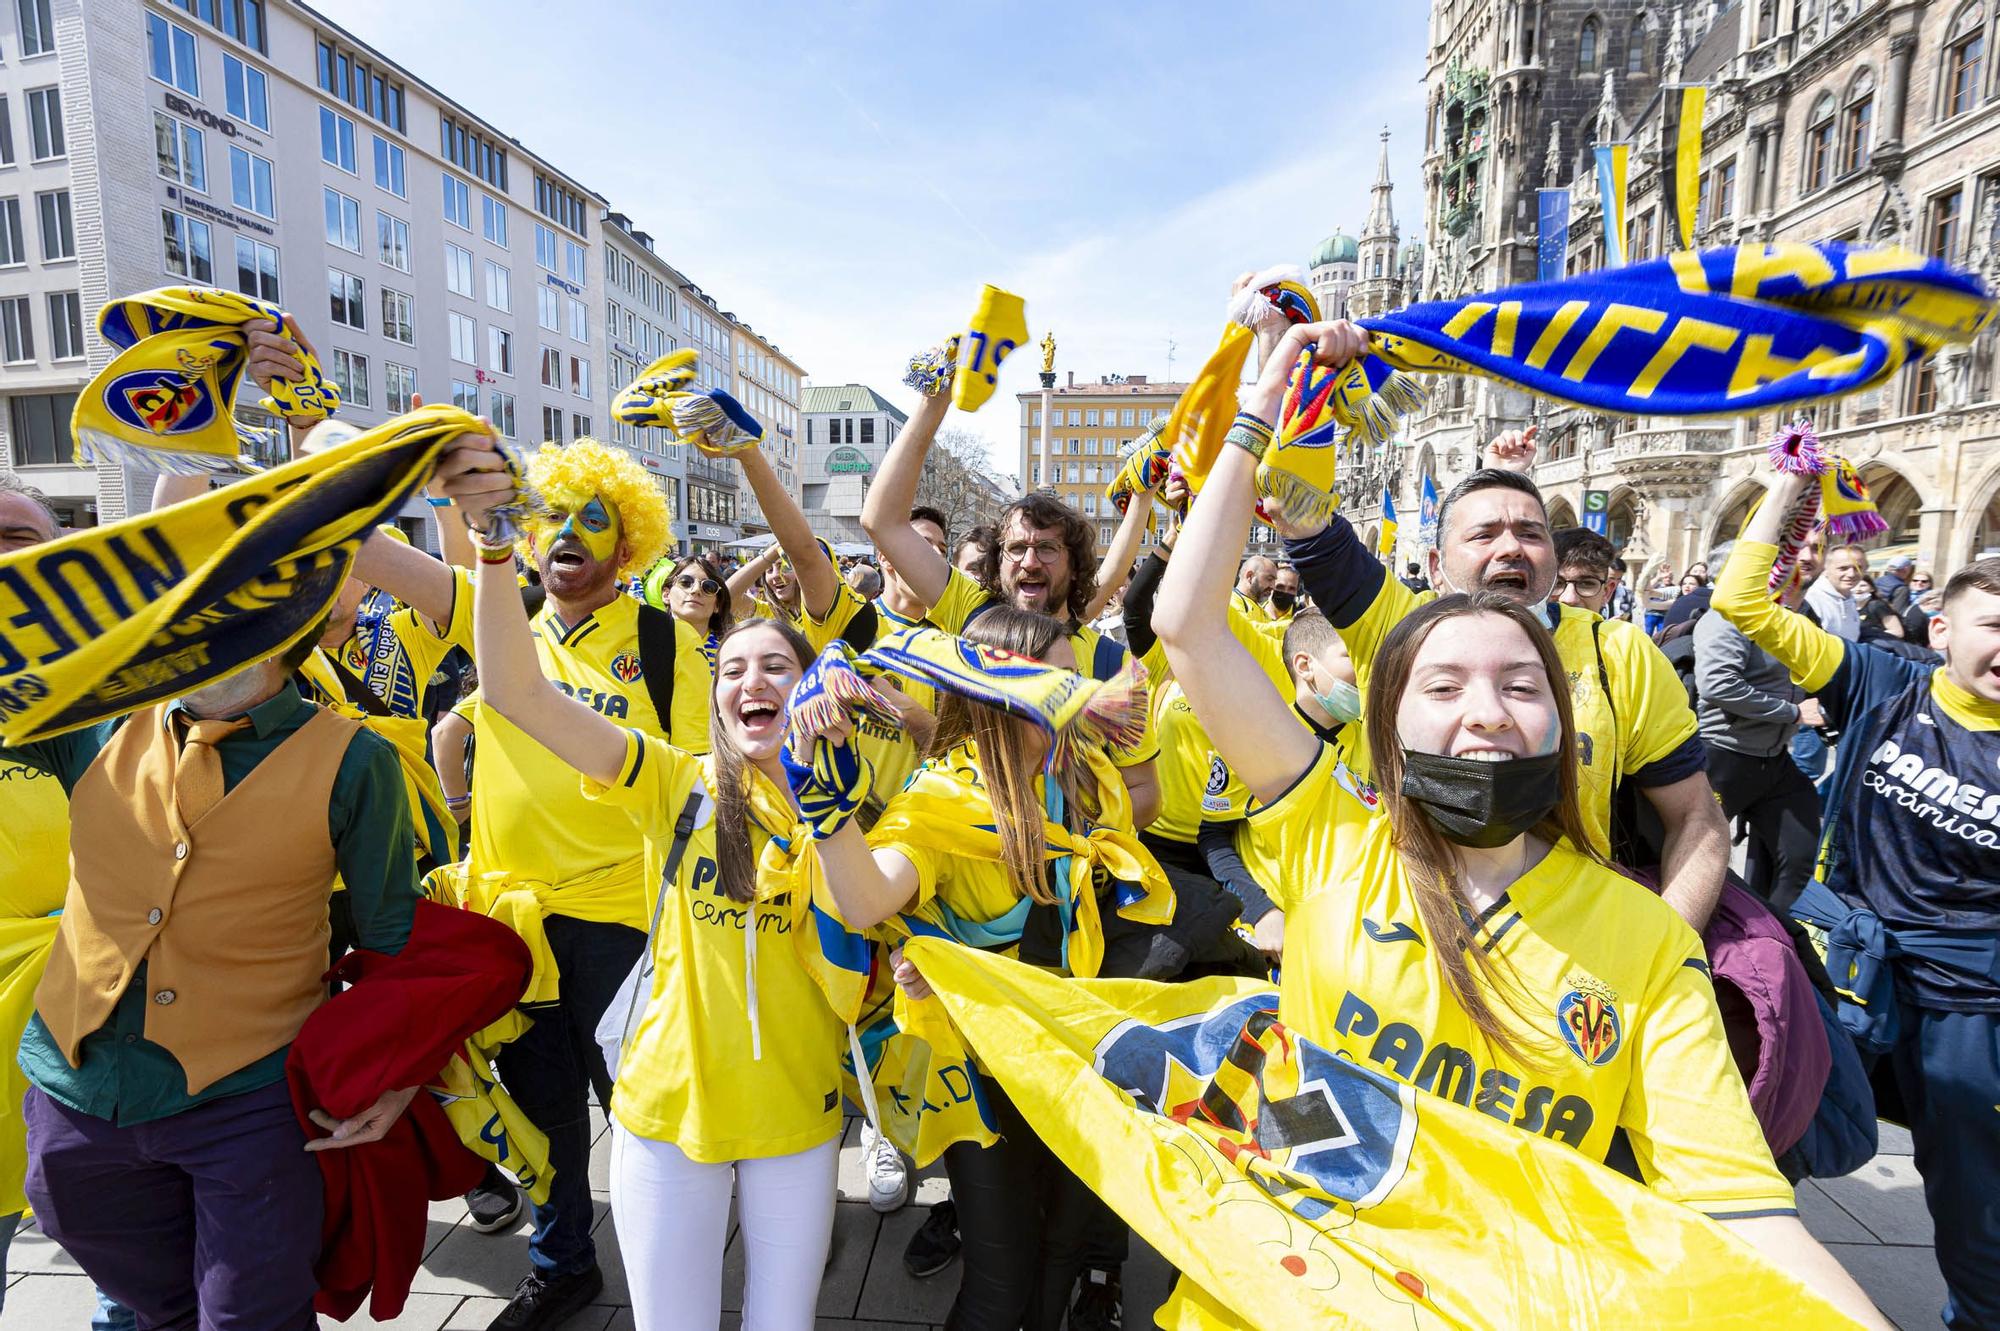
(567, 475)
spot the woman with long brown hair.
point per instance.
(1451, 927)
(982, 845)
(728, 1066)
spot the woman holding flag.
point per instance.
(729, 1071)
(1453, 929)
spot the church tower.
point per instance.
(1378, 283)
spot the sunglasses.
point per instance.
(688, 582)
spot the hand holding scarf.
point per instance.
(1143, 467)
(932, 370)
(1841, 496)
(648, 400)
(166, 401)
(1273, 301)
(830, 778)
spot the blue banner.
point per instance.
(1552, 234)
(1427, 513)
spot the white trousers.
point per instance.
(672, 1216)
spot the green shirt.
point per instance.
(126, 1078)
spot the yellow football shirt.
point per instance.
(688, 1075)
(34, 842)
(1644, 717)
(889, 749)
(397, 659)
(1613, 1001)
(963, 598)
(1196, 785)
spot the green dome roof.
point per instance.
(1336, 248)
(1413, 252)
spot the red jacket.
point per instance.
(398, 1024)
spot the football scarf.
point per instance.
(1840, 503)
(1142, 469)
(1273, 301)
(708, 418)
(1296, 1189)
(931, 370)
(111, 619)
(1716, 332)
(1201, 416)
(648, 400)
(998, 325)
(830, 781)
(166, 400)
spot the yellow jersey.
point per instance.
(894, 756)
(1096, 655)
(34, 843)
(692, 1072)
(1631, 709)
(1196, 785)
(1612, 1000)
(395, 651)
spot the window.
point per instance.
(1586, 46)
(6, 135)
(1723, 195)
(336, 140)
(399, 387)
(493, 215)
(1923, 390)
(561, 205)
(389, 167)
(1819, 144)
(1947, 214)
(392, 241)
(500, 410)
(246, 92)
(399, 319)
(868, 430)
(345, 295)
(38, 31)
(1856, 124)
(464, 338)
(350, 372)
(170, 55)
(41, 429)
(577, 261)
(45, 124)
(1642, 237)
(499, 286)
(1125, 416)
(250, 183)
(1635, 47)
(552, 376)
(356, 82)
(579, 376)
(545, 247)
(241, 19)
(1090, 416)
(473, 152)
(256, 269)
(343, 221)
(17, 330)
(458, 270)
(499, 350)
(187, 247)
(13, 249)
(552, 422)
(457, 203)
(579, 427)
(65, 325)
(548, 311)
(1963, 58)
(178, 148)
(579, 320)
(58, 234)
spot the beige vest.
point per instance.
(229, 915)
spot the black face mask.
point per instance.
(1284, 600)
(1482, 804)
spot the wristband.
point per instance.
(435, 502)
(1250, 434)
(494, 554)
(457, 801)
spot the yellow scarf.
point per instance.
(1200, 418)
(486, 1118)
(998, 325)
(610, 896)
(24, 954)
(648, 400)
(166, 400)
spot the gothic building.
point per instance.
(1826, 119)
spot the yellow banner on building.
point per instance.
(1296, 1189)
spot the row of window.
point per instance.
(17, 328)
(1124, 416)
(473, 151)
(841, 430)
(762, 365)
(710, 505)
(633, 279)
(56, 227)
(644, 336)
(361, 85)
(240, 19)
(562, 205)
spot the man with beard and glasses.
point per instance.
(533, 831)
(1043, 560)
(1632, 715)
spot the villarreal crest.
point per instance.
(160, 402)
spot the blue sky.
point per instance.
(846, 176)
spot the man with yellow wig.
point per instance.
(550, 862)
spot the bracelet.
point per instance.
(435, 502)
(457, 801)
(1250, 434)
(494, 554)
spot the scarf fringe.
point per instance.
(1857, 525)
(96, 446)
(931, 370)
(1798, 532)
(1796, 450)
(1299, 500)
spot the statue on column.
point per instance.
(1049, 352)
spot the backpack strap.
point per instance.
(1106, 658)
(358, 693)
(862, 630)
(683, 829)
(659, 649)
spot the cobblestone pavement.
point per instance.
(1873, 1220)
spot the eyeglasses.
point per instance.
(1045, 551)
(1920, 581)
(688, 582)
(1584, 586)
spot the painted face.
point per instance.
(581, 554)
(1478, 690)
(595, 525)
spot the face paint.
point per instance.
(595, 526)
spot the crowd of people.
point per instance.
(1505, 757)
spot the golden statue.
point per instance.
(1049, 352)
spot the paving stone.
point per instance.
(891, 1294)
(1894, 1139)
(1887, 1196)
(1826, 1220)
(478, 1314)
(35, 1253)
(600, 1164)
(467, 1262)
(1904, 1282)
(50, 1301)
(423, 1312)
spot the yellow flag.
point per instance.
(1297, 1189)
(1200, 418)
(24, 955)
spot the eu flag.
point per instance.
(1553, 234)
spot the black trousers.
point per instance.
(1782, 810)
(1025, 1221)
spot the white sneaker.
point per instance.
(888, 1176)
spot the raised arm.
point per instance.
(885, 513)
(819, 581)
(418, 580)
(743, 582)
(510, 677)
(1116, 565)
(1743, 597)
(1251, 725)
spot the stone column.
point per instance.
(1048, 387)
(1902, 47)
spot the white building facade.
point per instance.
(848, 429)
